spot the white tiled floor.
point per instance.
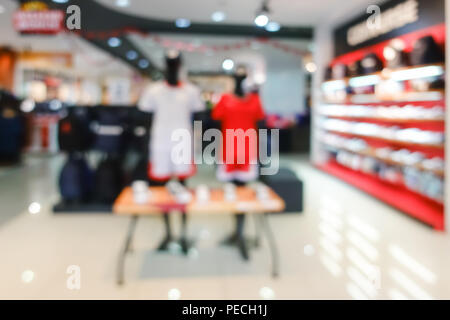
(345, 245)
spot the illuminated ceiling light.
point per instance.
(182, 23)
(34, 208)
(416, 73)
(311, 67)
(143, 63)
(389, 53)
(27, 276)
(364, 81)
(122, 3)
(262, 17)
(114, 42)
(27, 105)
(261, 20)
(228, 64)
(218, 16)
(132, 55)
(55, 105)
(60, 1)
(273, 26)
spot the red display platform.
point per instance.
(421, 208)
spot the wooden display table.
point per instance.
(161, 201)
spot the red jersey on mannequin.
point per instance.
(239, 111)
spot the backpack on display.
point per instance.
(426, 50)
(109, 180)
(11, 134)
(140, 171)
(74, 133)
(371, 63)
(138, 133)
(109, 131)
(75, 180)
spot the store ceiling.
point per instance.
(285, 12)
(295, 16)
(255, 55)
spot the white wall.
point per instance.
(284, 89)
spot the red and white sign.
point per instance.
(45, 21)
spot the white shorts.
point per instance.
(161, 167)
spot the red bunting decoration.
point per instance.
(187, 46)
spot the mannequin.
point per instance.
(172, 103)
(239, 78)
(173, 64)
(238, 111)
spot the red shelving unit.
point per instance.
(415, 205)
(336, 92)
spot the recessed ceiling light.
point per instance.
(55, 105)
(143, 63)
(132, 55)
(60, 1)
(273, 26)
(114, 42)
(218, 16)
(182, 23)
(228, 64)
(261, 20)
(27, 105)
(122, 3)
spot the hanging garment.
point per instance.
(172, 108)
(239, 160)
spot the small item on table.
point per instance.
(229, 192)
(262, 192)
(141, 193)
(202, 193)
(181, 194)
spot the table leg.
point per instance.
(257, 241)
(125, 250)
(274, 254)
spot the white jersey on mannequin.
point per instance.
(172, 108)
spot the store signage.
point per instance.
(384, 22)
(35, 17)
(389, 20)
